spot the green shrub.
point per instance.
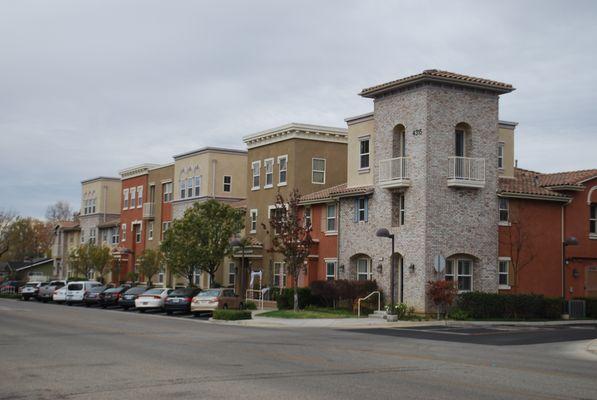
(250, 305)
(344, 292)
(403, 311)
(481, 305)
(458, 314)
(553, 307)
(10, 296)
(231, 315)
(285, 300)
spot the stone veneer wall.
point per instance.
(439, 219)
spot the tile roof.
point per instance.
(438, 76)
(336, 191)
(527, 183)
(567, 178)
(109, 224)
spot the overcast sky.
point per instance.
(90, 87)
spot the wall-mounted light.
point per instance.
(341, 268)
(411, 268)
(379, 268)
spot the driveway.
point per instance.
(54, 352)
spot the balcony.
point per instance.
(466, 172)
(148, 210)
(393, 173)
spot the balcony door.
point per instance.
(459, 151)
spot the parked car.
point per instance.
(152, 299)
(212, 299)
(92, 296)
(46, 292)
(110, 297)
(10, 286)
(127, 300)
(59, 295)
(31, 290)
(75, 291)
(180, 300)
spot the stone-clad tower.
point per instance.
(434, 178)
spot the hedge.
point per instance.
(285, 299)
(591, 306)
(231, 315)
(481, 305)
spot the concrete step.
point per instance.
(378, 315)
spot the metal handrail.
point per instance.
(365, 298)
(253, 291)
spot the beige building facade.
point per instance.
(100, 203)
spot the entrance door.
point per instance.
(591, 282)
(398, 264)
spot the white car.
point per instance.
(152, 299)
(31, 289)
(75, 291)
(59, 295)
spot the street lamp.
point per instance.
(383, 232)
(236, 242)
(570, 241)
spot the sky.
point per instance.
(88, 88)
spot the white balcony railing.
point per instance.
(466, 172)
(393, 172)
(148, 210)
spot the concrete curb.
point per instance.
(592, 347)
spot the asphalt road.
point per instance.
(55, 352)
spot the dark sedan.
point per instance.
(110, 297)
(127, 300)
(180, 300)
(92, 296)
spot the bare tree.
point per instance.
(6, 220)
(59, 211)
(290, 237)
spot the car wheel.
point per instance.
(69, 304)
(104, 306)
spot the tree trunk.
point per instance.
(296, 298)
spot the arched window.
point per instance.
(361, 264)
(462, 140)
(399, 141)
(459, 269)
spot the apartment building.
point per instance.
(66, 239)
(309, 158)
(100, 203)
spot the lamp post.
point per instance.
(236, 242)
(570, 241)
(383, 232)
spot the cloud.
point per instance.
(91, 87)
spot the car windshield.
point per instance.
(154, 291)
(75, 286)
(136, 290)
(31, 285)
(44, 284)
(210, 293)
(183, 292)
(97, 289)
(113, 290)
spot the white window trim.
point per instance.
(361, 168)
(501, 145)
(123, 236)
(592, 235)
(256, 213)
(265, 162)
(150, 227)
(253, 175)
(140, 197)
(364, 209)
(500, 222)
(282, 275)
(313, 170)
(125, 201)
(231, 264)
(334, 261)
(224, 184)
(509, 260)
(456, 275)
(369, 272)
(285, 182)
(327, 218)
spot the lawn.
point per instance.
(310, 313)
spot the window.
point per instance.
(123, 232)
(139, 196)
(269, 172)
(125, 195)
(165, 227)
(93, 202)
(115, 236)
(253, 221)
(401, 209)
(364, 269)
(361, 209)
(137, 230)
(183, 188)
(503, 269)
(227, 183)
(255, 167)
(503, 209)
(231, 273)
(197, 186)
(307, 217)
(133, 192)
(283, 168)
(364, 153)
(331, 218)
(104, 236)
(82, 235)
(461, 272)
(501, 155)
(189, 187)
(279, 274)
(318, 171)
(167, 190)
(161, 275)
(196, 276)
(593, 219)
(150, 230)
(92, 232)
(330, 270)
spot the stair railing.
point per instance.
(365, 298)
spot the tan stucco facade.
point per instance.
(105, 190)
(359, 128)
(506, 138)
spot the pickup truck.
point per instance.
(46, 292)
(31, 290)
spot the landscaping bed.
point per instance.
(315, 313)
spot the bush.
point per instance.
(231, 315)
(329, 293)
(403, 311)
(458, 314)
(10, 296)
(481, 305)
(325, 291)
(285, 300)
(250, 305)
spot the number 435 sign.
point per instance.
(418, 132)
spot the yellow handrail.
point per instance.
(365, 298)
